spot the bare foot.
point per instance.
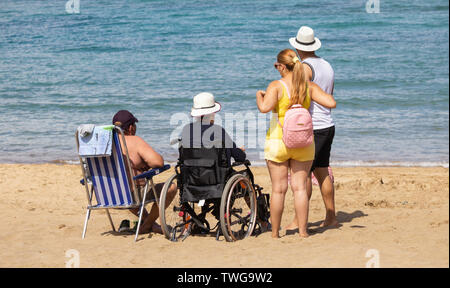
(329, 223)
(143, 230)
(275, 235)
(304, 235)
(292, 226)
(156, 228)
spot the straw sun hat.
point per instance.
(204, 104)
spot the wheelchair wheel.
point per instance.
(238, 208)
(173, 219)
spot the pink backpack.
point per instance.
(298, 127)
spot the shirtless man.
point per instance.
(142, 158)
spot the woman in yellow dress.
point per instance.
(280, 95)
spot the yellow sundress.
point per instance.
(274, 148)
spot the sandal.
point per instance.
(124, 226)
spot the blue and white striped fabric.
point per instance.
(109, 177)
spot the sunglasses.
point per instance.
(277, 65)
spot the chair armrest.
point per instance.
(152, 172)
(246, 163)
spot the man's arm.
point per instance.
(237, 153)
(151, 158)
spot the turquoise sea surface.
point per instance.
(60, 70)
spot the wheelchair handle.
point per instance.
(175, 141)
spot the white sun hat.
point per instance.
(305, 40)
(204, 104)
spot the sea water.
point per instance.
(60, 69)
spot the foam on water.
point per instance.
(259, 163)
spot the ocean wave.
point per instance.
(261, 163)
(94, 49)
(358, 163)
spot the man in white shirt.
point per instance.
(320, 72)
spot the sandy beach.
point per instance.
(402, 213)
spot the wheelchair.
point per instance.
(206, 183)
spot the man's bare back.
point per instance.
(142, 155)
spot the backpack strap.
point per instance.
(279, 122)
(289, 95)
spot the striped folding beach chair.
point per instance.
(108, 179)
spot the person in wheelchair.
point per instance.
(203, 133)
(206, 181)
(197, 139)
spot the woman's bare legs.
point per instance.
(294, 223)
(299, 175)
(279, 177)
(327, 189)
